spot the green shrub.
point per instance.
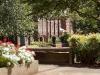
(39, 44)
(54, 39)
(64, 39)
(86, 47)
(4, 62)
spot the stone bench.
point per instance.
(48, 54)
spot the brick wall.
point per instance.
(50, 28)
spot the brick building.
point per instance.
(49, 28)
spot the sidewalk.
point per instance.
(59, 70)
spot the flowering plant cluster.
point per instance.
(25, 55)
(16, 55)
(86, 47)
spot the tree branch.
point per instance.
(87, 15)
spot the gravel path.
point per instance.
(59, 70)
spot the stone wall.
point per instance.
(20, 69)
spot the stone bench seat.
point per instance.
(49, 53)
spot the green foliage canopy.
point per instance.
(85, 13)
(13, 17)
(85, 8)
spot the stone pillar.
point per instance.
(58, 28)
(46, 30)
(50, 28)
(54, 28)
(26, 40)
(42, 26)
(18, 41)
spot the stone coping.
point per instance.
(56, 49)
(21, 69)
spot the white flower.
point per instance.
(22, 48)
(12, 57)
(6, 49)
(10, 53)
(25, 55)
(33, 53)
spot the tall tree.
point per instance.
(87, 11)
(44, 7)
(13, 17)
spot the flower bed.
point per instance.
(17, 61)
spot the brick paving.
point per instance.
(64, 70)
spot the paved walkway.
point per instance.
(60, 70)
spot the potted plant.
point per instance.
(53, 41)
(63, 38)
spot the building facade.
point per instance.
(49, 28)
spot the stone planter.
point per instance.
(65, 45)
(20, 69)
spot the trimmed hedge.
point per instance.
(86, 47)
